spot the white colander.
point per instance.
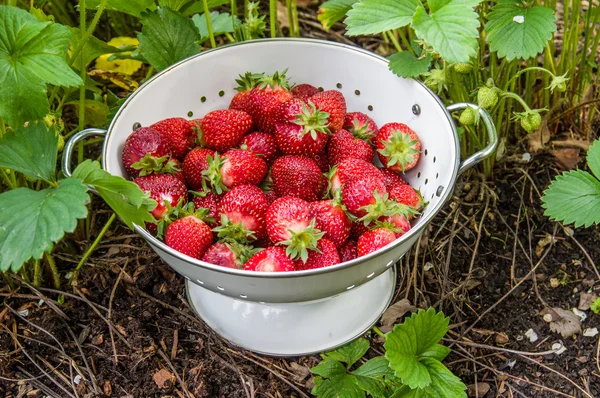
(303, 311)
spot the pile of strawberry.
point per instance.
(283, 180)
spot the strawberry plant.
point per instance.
(411, 367)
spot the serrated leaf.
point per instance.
(407, 392)
(376, 16)
(443, 382)
(174, 5)
(435, 5)
(406, 64)
(517, 32)
(573, 197)
(593, 158)
(195, 7)
(333, 11)
(438, 351)
(32, 53)
(349, 353)
(132, 7)
(377, 368)
(373, 387)
(220, 22)
(32, 221)
(329, 368)
(31, 150)
(126, 199)
(93, 48)
(451, 31)
(341, 386)
(167, 37)
(409, 340)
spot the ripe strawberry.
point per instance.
(362, 196)
(361, 126)
(271, 259)
(332, 102)
(291, 222)
(265, 99)
(163, 188)
(297, 176)
(190, 236)
(223, 129)
(325, 255)
(359, 228)
(243, 214)
(271, 196)
(194, 164)
(344, 145)
(398, 147)
(262, 144)
(405, 194)
(374, 240)
(304, 91)
(331, 218)
(348, 251)
(240, 100)
(390, 178)
(175, 168)
(306, 135)
(322, 161)
(145, 146)
(288, 111)
(210, 201)
(397, 223)
(236, 167)
(349, 168)
(178, 132)
(229, 254)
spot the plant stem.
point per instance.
(295, 19)
(405, 40)
(378, 331)
(245, 9)
(53, 269)
(7, 179)
(273, 17)
(514, 96)
(82, 73)
(234, 12)
(89, 32)
(211, 36)
(394, 41)
(91, 249)
(38, 274)
(2, 128)
(531, 68)
(288, 5)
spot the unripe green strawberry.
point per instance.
(531, 121)
(435, 79)
(468, 117)
(487, 97)
(61, 142)
(463, 68)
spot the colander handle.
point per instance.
(491, 132)
(70, 146)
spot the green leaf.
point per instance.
(96, 112)
(451, 31)
(32, 221)
(130, 203)
(573, 197)
(92, 49)
(349, 353)
(196, 7)
(405, 64)
(517, 32)
(174, 5)
(438, 351)
(411, 339)
(333, 11)
(32, 53)
(593, 158)
(221, 23)
(435, 5)
(167, 37)
(329, 368)
(341, 386)
(377, 368)
(376, 16)
(407, 392)
(375, 388)
(30, 150)
(132, 7)
(443, 382)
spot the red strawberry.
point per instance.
(163, 188)
(223, 129)
(297, 176)
(243, 212)
(349, 168)
(175, 168)
(405, 194)
(208, 200)
(194, 164)
(344, 145)
(271, 196)
(236, 167)
(306, 135)
(390, 178)
(262, 144)
(190, 236)
(145, 146)
(359, 228)
(362, 196)
(397, 223)
(321, 161)
(332, 219)
(398, 147)
(374, 240)
(229, 255)
(291, 222)
(288, 111)
(241, 100)
(332, 102)
(266, 98)
(348, 251)
(326, 255)
(304, 91)
(178, 132)
(360, 125)
(271, 259)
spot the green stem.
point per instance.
(25, 273)
(82, 73)
(91, 249)
(234, 11)
(273, 17)
(2, 128)
(514, 96)
(53, 269)
(89, 32)
(295, 19)
(394, 41)
(405, 40)
(211, 36)
(531, 68)
(246, 9)
(7, 179)
(378, 331)
(288, 5)
(38, 274)
(149, 73)
(9, 280)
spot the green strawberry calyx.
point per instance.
(383, 207)
(362, 131)
(399, 148)
(312, 120)
(241, 252)
(180, 211)
(153, 165)
(233, 232)
(301, 242)
(212, 178)
(277, 79)
(248, 81)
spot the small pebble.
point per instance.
(580, 314)
(558, 348)
(590, 332)
(77, 379)
(531, 335)
(548, 318)
(23, 313)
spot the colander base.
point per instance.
(294, 329)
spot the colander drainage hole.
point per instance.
(190, 114)
(419, 174)
(136, 126)
(203, 99)
(221, 93)
(350, 287)
(437, 175)
(425, 152)
(221, 288)
(339, 85)
(243, 296)
(426, 180)
(199, 281)
(321, 88)
(439, 191)
(370, 275)
(357, 92)
(434, 159)
(370, 107)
